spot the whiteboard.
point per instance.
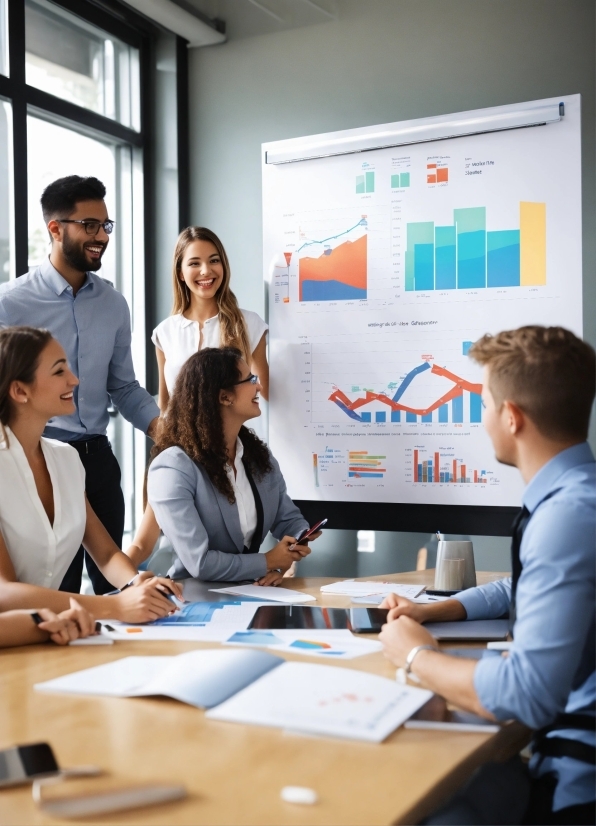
(383, 266)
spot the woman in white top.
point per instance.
(205, 313)
(44, 513)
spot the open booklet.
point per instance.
(255, 687)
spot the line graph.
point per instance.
(455, 395)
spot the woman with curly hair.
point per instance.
(215, 488)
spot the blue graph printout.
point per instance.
(195, 613)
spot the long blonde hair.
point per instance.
(233, 332)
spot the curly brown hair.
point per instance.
(193, 419)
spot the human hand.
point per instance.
(271, 578)
(401, 636)
(154, 425)
(402, 607)
(144, 602)
(304, 543)
(281, 556)
(68, 625)
(166, 585)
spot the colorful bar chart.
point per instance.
(462, 402)
(365, 183)
(465, 255)
(400, 180)
(442, 468)
(437, 173)
(361, 465)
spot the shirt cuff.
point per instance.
(474, 602)
(145, 416)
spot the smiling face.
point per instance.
(202, 269)
(81, 251)
(52, 391)
(242, 400)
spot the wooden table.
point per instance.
(233, 773)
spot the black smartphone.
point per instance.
(23, 763)
(309, 531)
(367, 620)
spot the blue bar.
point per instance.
(428, 417)
(365, 417)
(471, 259)
(475, 408)
(465, 347)
(365, 475)
(441, 477)
(396, 415)
(503, 258)
(430, 474)
(411, 417)
(457, 410)
(420, 473)
(424, 274)
(445, 267)
(444, 413)
(380, 416)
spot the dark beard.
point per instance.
(76, 256)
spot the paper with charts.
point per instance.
(335, 644)
(198, 621)
(325, 700)
(383, 267)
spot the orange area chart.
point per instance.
(337, 274)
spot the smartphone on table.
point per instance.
(22, 764)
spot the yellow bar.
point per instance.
(532, 239)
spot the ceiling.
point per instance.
(250, 18)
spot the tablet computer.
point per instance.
(358, 620)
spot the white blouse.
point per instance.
(245, 498)
(41, 553)
(179, 338)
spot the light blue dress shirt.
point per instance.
(554, 632)
(93, 326)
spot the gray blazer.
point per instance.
(204, 528)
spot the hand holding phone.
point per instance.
(307, 533)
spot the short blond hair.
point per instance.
(548, 372)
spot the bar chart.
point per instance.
(465, 255)
(361, 465)
(443, 467)
(400, 180)
(365, 183)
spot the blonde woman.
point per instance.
(205, 314)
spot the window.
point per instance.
(75, 81)
(73, 60)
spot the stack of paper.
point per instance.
(358, 588)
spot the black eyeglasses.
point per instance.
(250, 379)
(91, 227)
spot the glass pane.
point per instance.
(3, 37)
(6, 191)
(73, 60)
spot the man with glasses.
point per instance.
(91, 320)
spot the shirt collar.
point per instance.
(545, 481)
(184, 322)
(58, 283)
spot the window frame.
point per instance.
(122, 22)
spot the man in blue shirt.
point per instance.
(538, 389)
(91, 320)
